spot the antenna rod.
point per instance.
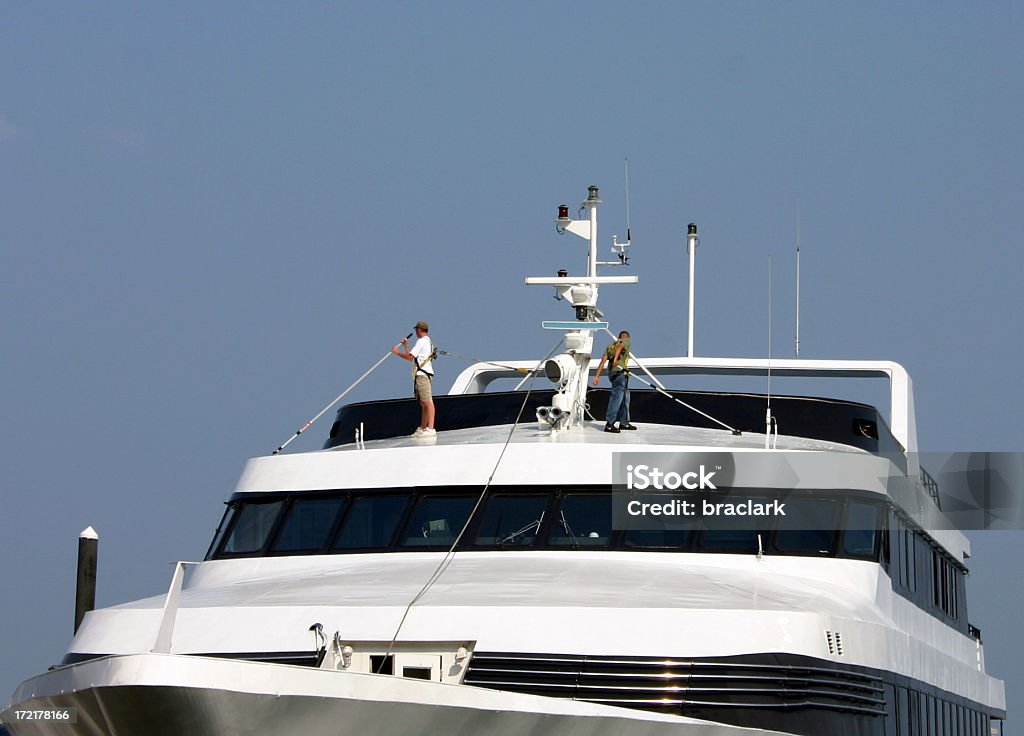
(768, 410)
(629, 237)
(796, 345)
(691, 245)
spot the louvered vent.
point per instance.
(680, 684)
(835, 643)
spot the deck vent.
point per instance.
(741, 690)
(835, 643)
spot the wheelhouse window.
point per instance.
(512, 520)
(670, 538)
(431, 519)
(252, 525)
(583, 520)
(222, 528)
(733, 534)
(862, 532)
(809, 527)
(371, 522)
(437, 521)
(308, 524)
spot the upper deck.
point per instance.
(831, 420)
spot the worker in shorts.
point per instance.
(422, 355)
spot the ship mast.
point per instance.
(569, 370)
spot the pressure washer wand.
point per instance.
(338, 398)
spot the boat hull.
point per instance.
(169, 695)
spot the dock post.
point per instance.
(85, 591)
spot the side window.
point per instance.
(902, 712)
(371, 522)
(252, 525)
(862, 530)
(911, 563)
(436, 522)
(891, 722)
(307, 524)
(222, 528)
(809, 526)
(733, 534)
(675, 537)
(512, 520)
(583, 520)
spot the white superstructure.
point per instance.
(500, 593)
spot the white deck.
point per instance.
(592, 433)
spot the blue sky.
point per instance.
(213, 217)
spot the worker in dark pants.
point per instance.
(617, 357)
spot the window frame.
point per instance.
(271, 533)
(331, 531)
(353, 496)
(476, 521)
(839, 515)
(398, 543)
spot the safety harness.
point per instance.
(430, 358)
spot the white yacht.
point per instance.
(494, 578)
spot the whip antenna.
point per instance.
(629, 236)
(796, 344)
(622, 249)
(769, 420)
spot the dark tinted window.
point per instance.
(307, 524)
(735, 534)
(253, 523)
(512, 520)
(862, 534)
(809, 526)
(437, 521)
(583, 520)
(675, 535)
(370, 522)
(903, 712)
(225, 523)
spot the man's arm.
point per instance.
(405, 346)
(600, 365)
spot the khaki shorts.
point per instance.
(421, 387)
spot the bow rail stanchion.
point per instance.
(338, 398)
